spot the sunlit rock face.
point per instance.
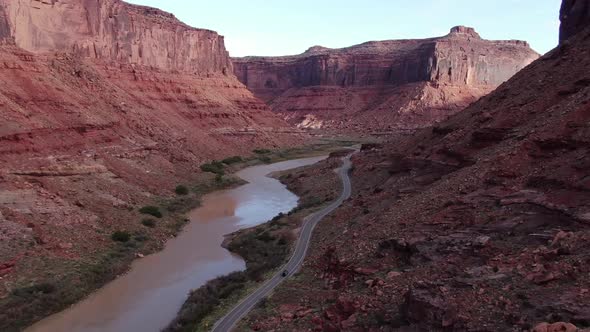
(445, 73)
(113, 30)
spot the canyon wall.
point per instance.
(398, 81)
(117, 31)
(574, 16)
(106, 107)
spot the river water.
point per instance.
(149, 296)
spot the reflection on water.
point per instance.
(149, 296)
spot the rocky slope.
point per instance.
(481, 223)
(385, 84)
(103, 106)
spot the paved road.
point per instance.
(226, 323)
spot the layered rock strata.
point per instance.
(395, 83)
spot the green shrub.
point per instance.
(278, 216)
(215, 167)
(265, 237)
(265, 159)
(261, 151)
(151, 223)
(120, 236)
(232, 160)
(44, 288)
(181, 204)
(181, 190)
(151, 210)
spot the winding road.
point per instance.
(226, 323)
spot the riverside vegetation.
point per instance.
(264, 248)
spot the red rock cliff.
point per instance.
(104, 105)
(449, 72)
(113, 30)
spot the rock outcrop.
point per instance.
(399, 83)
(574, 16)
(116, 31)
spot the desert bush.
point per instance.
(232, 160)
(120, 236)
(151, 223)
(151, 210)
(282, 241)
(219, 178)
(278, 216)
(261, 151)
(215, 167)
(43, 288)
(181, 204)
(181, 190)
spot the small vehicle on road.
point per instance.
(284, 273)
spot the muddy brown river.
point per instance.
(149, 296)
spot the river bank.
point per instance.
(39, 299)
(265, 247)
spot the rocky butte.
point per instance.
(382, 85)
(103, 105)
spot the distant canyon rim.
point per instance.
(383, 85)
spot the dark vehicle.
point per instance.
(284, 273)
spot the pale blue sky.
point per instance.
(282, 27)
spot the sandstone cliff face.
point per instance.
(574, 16)
(364, 77)
(114, 30)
